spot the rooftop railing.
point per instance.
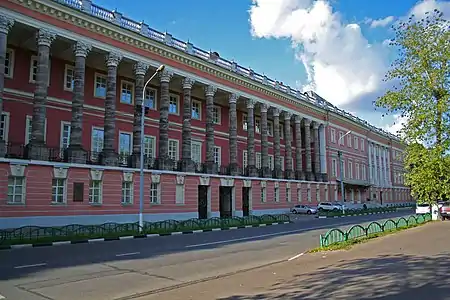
(213, 57)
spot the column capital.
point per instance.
(45, 37)
(287, 116)
(250, 103)
(6, 23)
(298, 119)
(113, 59)
(233, 98)
(263, 107)
(275, 111)
(187, 83)
(307, 122)
(165, 75)
(140, 68)
(82, 49)
(316, 125)
(210, 90)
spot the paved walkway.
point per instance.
(414, 264)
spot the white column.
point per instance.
(385, 167)
(375, 167)
(380, 164)
(370, 162)
(389, 167)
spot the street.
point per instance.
(129, 269)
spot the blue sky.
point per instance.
(339, 45)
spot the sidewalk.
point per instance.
(413, 264)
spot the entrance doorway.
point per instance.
(203, 201)
(246, 201)
(225, 201)
(381, 198)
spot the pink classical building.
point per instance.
(219, 140)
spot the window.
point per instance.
(270, 128)
(355, 142)
(363, 173)
(258, 161)
(196, 151)
(350, 170)
(150, 98)
(196, 111)
(125, 145)
(16, 190)
(288, 194)
(257, 125)
(9, 63)
(95, 192)
(69, 78)
(362, 145)
(271, 162)
(282, 163)
(333, 135)
(100, 86)
(179, 193)
(244, 122)
(28, 129)
(218, 155)
(96, 142)
(127, 92)
(349, 140)
(149, 146)
(299, 195)
(357, 170)
(174, 101)
(333, 167)
(263, 194)
(34, 67)
(244, 158)
(64, 140)
(127, 192)
(154, 193)
(58, 190)
(276, 193)
(341, 140)
(308, 194)
(4, 126)
(217, 115)
(173, 150)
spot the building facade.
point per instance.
(219, 140)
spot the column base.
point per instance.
(187, 165)
(234, 169)
(318, 177)
(210, 167)
(109, 157)
(266, 172)
(300, 175)
(289, 174)
(165, 164)
(278, 173)
(37, 151)
(252, 171)
(2, 148)
(310, 176)
(324, 177)
(76, 155)
(135, 160)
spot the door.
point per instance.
(202, 201)
(246, 201)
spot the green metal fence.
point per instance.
(30, 234)
(336, 235)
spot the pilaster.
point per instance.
(289, 174)
(211, 166)
(187, 165)
(266, 172)
(278, 173)
(299, 174)
(251, 165)
(317, 173)
(163, 161)
(234, 166)
(308, 158)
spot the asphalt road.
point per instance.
(129, 269)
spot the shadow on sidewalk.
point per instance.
(396, 277)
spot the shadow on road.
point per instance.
(398, 277)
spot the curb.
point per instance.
(363, 214)
(129, 237)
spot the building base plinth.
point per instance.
(324, 177)
(165, 164)
(289, 174)
(2, 148)
(109, 157)
(252, 171)
(234, 169)
(266, 172)
(75, 155)
(187, 165)
(299, 175)
(37, 151)
(310, 176)
(210, 168)
(278, 173)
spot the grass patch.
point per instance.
(347, 245)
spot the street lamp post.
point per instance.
(141, 160)
(341, 174)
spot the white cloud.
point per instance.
(341, 64)
(380, 22)
(424, 6)
(396, 126)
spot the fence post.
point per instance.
(321, 241)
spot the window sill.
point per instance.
(95, 204)
(16, 203)
(126, 204)
(58, 203)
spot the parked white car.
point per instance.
(423, 209)
(303, 209)
(328, 206)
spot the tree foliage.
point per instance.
(421, 96)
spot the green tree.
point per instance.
(420, 76)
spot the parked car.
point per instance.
(303, 209)
(328, 206)
(423, 208)
(444, 211)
